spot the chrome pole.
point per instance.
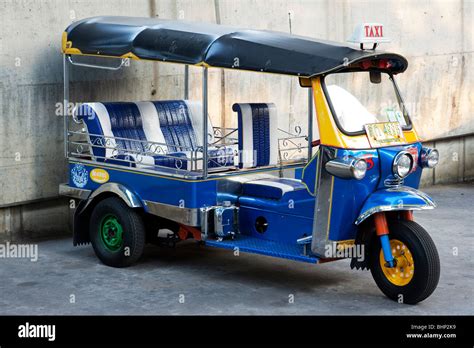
(310, 123)
(204, 123)
(65, 104)
(186, 82)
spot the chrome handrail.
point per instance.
(134, 156)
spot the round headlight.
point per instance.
(402, 164)
(359, 168)
(429, 157)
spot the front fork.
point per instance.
(381, 228)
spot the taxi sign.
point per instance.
(384, 134)
(368, 33)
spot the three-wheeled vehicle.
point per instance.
(158, 172)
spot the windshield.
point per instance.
(356, 101)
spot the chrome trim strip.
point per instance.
(205, 221)
(74, 192)
(305, 240)
(185, 216)
(322, 209)
(66, 104)
(310, 123)
(398, 207)
(186, 82)
(205, 154)
(124, 193)
(96, 66)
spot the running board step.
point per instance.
(264, 247)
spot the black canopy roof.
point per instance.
(214, 45)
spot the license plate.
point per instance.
(384, 134)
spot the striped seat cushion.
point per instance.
(273, 188)
(176, 124)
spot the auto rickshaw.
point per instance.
(159, 172)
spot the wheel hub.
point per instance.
(111, 233)
(402, 273)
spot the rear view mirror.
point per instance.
(305, 82)
(375, 76)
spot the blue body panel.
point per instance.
(386, 159)
(189, 193)
(348, 196)
(289, 218)
(156, 188)
(281, 227)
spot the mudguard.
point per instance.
(85, 207)
(395, 198)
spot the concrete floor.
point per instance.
(213, 281)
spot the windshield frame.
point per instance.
(400, 100)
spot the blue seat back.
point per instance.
(258, 138)
(176, 123)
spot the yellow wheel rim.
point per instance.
(404, 270)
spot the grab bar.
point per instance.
(123, 61)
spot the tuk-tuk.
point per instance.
(158, 172)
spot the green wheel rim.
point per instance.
(111, 232)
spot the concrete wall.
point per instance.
(436, 37)
(456, 161)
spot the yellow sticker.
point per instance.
(99, 175)
(385, 134)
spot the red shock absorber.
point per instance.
(381, 225)
(407, 215)
(381, 228)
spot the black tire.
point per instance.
(132, 244)
(425, 259)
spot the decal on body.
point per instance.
(79, 175)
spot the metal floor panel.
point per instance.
(264, 247)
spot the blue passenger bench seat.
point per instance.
(274, 198)
(258, 134)
(272, 188)
(175, 124)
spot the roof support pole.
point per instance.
(310, 123)
(65, 104)
(186, 82)
(204, 123)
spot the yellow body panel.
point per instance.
(67, 46)
(330, 134)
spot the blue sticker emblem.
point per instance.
(79, 175)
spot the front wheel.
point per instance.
(417, 267)
(117, 233)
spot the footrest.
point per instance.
(265, 247)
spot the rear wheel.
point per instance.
(417, 267)
(117, 233)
